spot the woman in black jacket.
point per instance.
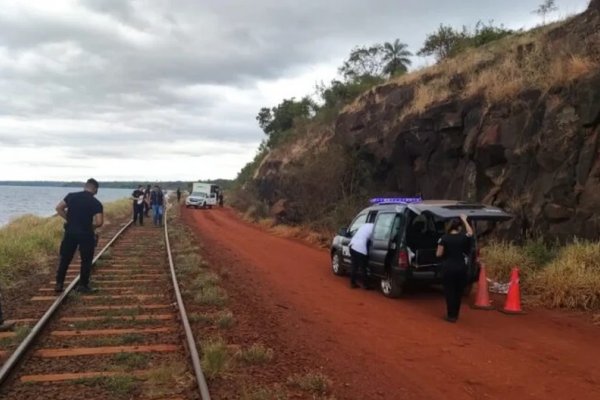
(454, 247)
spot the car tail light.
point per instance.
(403, 259)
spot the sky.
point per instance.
(169, 89)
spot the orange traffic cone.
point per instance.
(513, 298)
(482, 301)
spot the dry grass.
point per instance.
(255, 354)
(499, 71)
(314, 382)
(572, 280)
(553, 276)
(225, 320)
(261, 393)
(166, 380)
(215, 358)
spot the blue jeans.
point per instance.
(157, 212)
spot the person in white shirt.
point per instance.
(359, 255)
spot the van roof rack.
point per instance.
(395, 200)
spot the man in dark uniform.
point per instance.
(138, 198)
(83, 213)
(178, 195)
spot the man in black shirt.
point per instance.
(83, 213)
(138, 198)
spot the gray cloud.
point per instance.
(110, 74)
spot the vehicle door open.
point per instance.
(384, 241)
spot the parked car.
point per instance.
(404, 241)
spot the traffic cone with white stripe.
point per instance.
(513, 298)
(482, 301)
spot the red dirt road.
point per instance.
(376, 348)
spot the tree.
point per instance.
(396, 58)
(276, 121)
(448, 41)
(363, 61)
(443, 43)
(547, 7)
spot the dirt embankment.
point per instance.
(372, 347)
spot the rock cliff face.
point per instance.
(537, 154)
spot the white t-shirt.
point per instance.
(360, 239)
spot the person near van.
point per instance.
(138, 205)
(359, 255)
(83, 213)
(178, 195)
(157, 204)
(454, 248)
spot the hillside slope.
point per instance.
(515, 124)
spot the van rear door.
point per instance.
(475, 212)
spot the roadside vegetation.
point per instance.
(551, 275)
(30, 243)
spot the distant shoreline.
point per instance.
(224, 183)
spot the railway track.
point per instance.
(131, 339)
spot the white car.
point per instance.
(201, 200)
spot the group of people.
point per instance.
(451, 249)
(145, 199)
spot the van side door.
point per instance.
(383, 241)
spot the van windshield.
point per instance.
(198, 194)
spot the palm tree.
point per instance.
(396, 57)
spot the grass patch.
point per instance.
(131, 361)
(225, 320)
(572, 280)
(20, 334)
(313, 382)
(551, 275)
(205, 280)
(198, 318)
(261, 393)
(211, 296)
(120, 386)
(165, 380)
(215, 358)
(255, 354)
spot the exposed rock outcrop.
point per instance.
(537, 155)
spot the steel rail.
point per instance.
(24, 345)
(191, 343)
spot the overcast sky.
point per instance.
(169, 89)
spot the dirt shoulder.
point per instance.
(373, 347)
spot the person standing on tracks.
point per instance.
(83, 213)
(157, 200)
(178, 195)
(138, 205)
(359, 255)
(147, 192)
(454, 248)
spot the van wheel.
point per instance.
(336, 264)
(392, 287)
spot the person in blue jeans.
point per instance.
(157, 200)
